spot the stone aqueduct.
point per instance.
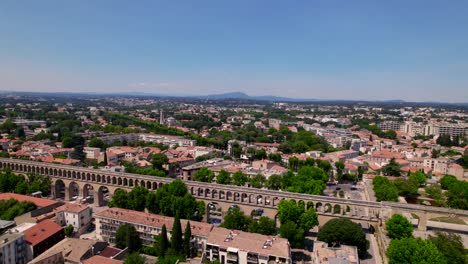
(70, 181)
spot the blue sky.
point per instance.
(412, 50)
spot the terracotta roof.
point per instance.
(72, 208)
(154, 220)
(39, 202)
(41, 232)
(109, 252)
(101, 260)
(249, 242)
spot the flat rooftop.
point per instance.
(263, 245)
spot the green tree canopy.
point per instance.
(414, 250)
(451, 246)
(134, 258)
(127, 236)
(203, 175)
(264, 226)
(343, 231)
(293, 233)
(239, 178)
(223, 177)
(399, 227)
(159, 160)
(236, 219)
(187, 240)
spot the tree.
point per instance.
(257, 181)
(451, 246)
(127, 236)
(97, 143)
(264, 226)
(187, 240)
(434, 191)
(135, 258)
(308, 220)
(408, 188)
(418, 177)
(288, 210)
(343, 231)
(293, 233)
(411, 250)
(176, 236)
(274, 182)
(339, 169)
(68, 230)
(399, 227)
(235, 219)
(392, 168)
(384, 189)
(447, 181)
(162, 243)
(239, 178)
(223, 177)
(120, 199)
(203, 175)
(137, 198)
(159, 160)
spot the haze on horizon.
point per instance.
(356, 50)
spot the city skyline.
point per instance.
(413, 51)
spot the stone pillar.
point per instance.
(67, 193)
(422, 223)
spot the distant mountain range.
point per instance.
(222, 96)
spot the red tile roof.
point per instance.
(39, 202)
(41, 232)
(101, 260)
(109, 252)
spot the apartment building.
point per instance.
(454, 130)
(233, 246)
(390, 125)
(12, 248)
(77, 215)
(147, 225)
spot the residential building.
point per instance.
(41, 237)
(77, 215)
(12, 248)
(390, 125)
(147, 225)
(233, 246)
(70, 250)
(325, 254)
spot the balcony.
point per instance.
(232, 257)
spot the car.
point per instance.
(338, 188)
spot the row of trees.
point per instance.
(236, 219)
(9, 209)
(10, 182)
(311, 180)
(168, 251)
(404, 248)
(295, 221)
(386, 190)
(167, 200)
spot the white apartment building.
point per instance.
(77, 215)
(12, 248)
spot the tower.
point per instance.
(161, 117)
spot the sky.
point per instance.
(359, 50)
